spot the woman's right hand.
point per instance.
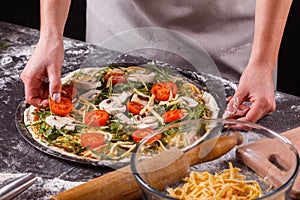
(41, 75)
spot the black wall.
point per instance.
(26, 13)
(289, 54)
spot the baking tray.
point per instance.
(219, 88)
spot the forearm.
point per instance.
(53, 17)
(270, 20)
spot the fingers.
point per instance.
(37, 95)
(252, 115)
(55, 83)
(258, 109)
(33, 84)
(38, 86)
(233, 104)
(37, 91)
(240, 112)
(249, 111)
(235, 107)
(38, 102)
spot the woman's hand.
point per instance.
(254, 97)
(41, 75)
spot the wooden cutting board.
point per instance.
(265, 157)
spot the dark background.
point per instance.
(26, 13)
(289, 54)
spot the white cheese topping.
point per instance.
(56, 121)
(112, 106)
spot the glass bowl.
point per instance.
(215, 159)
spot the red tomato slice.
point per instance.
(134, 107)
(36, 117)
(69, 91)
(172, 86)
(62, 108)
(96, 118)
(162, 90)
(139, 134)
(173, 115)
(91, 140)
(117, 77)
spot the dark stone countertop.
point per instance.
(54, 174)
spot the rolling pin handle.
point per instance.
(212, 149)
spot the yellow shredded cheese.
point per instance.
(147, 107)
(229, 184)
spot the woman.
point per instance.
(227, 22)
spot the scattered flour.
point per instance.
(6, 176)
(295, 108)
(279, 96)
(42, 189)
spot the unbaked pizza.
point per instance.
(105, 112)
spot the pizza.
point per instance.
(105, 112)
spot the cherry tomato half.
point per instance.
(134, 107)
(91, 140)
(117, 77)
(96, 118)
(172, 86)
(139, 134)
(162, 90)
(62, 108)
(69, 91)
(36, 117)
(173, 115)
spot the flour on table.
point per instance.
(42, 189)
(295, 108)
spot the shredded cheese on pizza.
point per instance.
(97, 90)
(229, 184)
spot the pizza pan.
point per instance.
(219, 88)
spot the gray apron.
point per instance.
(224, 28)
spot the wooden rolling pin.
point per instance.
(167, 168)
